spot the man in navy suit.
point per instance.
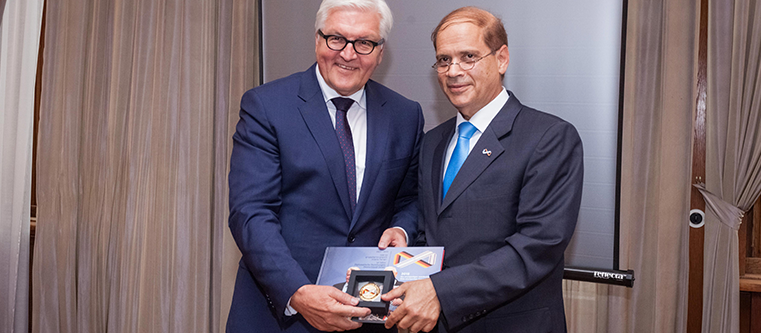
(500, 189)
(325, 157)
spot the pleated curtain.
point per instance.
(139, 101)
(20, 24)
(733, 152)
(658, 106)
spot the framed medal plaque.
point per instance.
(368, 286)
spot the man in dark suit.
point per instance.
(325, 157)
(500, 189)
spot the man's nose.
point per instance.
(348, 52)
(454, 69)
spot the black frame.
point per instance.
(385, 278)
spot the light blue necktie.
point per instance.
(459, 155)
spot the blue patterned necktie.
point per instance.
(343, 132)
(459, 155)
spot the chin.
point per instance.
(458, 102)
(345, 91)
(343, 85)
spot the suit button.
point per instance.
(351, 238)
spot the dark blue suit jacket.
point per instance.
(288, 194)
(505, 222)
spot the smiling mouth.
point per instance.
(457, 87)
(346, 67)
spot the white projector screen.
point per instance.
(565, 59)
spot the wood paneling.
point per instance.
(754, 230)
(697, 235)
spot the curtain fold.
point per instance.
(133, 150)
(727, 213)
(20, 24)
(659, 101)
(2, 10)
(733, 151)
(243, 73)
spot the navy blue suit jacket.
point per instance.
(505, 222)
(289, 198)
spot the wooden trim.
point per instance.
(744, 312)
(743, 244)
(697, 235)
(754, 231)
(755, 315)
(751, 283)
(753, 267)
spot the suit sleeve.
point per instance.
(420, 239)
(255, 201)
(548, 208)
(406, 203)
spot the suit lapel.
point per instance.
(315, 114)
(377, 137)
(474, 165)
(487, 150)
(439, 154)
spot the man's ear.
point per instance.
(503, 58)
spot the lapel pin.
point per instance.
(486, 152)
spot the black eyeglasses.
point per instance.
(338, 43)
(442, 66)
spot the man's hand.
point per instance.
(348, 272)
(420, 309)
(327, 308)
(393, 237)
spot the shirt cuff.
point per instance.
(406, 238)
(289, 310)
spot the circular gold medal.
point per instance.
(369, 291)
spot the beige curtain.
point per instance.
(733, 151)
(20, 23)
(138, 99)
(659, 101)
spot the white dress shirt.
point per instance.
(356, 116)
(481, 120)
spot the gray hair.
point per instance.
(379, 6)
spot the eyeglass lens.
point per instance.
(337, 43)
(464, 65)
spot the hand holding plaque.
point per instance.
(368, 287)
(399, 264)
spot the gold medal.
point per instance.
(369, 292)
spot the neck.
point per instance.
(468, 112)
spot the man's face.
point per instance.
(470, 90)
(346, 71)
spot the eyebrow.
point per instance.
(461, 53)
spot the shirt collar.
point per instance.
(329, 93)
(482, 118)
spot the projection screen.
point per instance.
(565, 59)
